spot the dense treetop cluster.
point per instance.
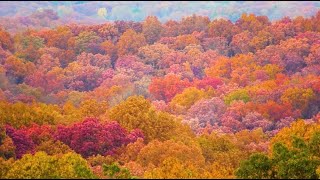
(182, 99)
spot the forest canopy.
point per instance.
(194, 98)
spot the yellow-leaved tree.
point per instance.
(137, 112)
(41, 165)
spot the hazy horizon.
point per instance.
(164, 10)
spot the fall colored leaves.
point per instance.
(188, 99)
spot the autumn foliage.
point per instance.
(194, 98)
